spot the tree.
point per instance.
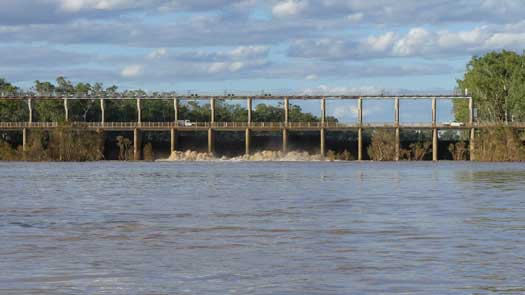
(496, 83)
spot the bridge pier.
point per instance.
(249, 108)
(211, 141)
(25, 141)
(247, 142)
(173, 139)
(435, 145)
(176, 109)
(323, 143)
(139, 112)
(137, 145)
(285, 140)
(434, 131)
(472, 145)
(360, 144)
(103, 112)
(397, 143)
(360, 129)
(66, 110)
(472, 130)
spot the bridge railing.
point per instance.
(233, 125)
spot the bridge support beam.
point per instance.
(472, 144)
(103, 112)
(66, 110)
(212, 110)
(30, 107)
(139, 112)
(211, 141)
(249, 108)
(25, 141)
(323, 111)
(137, 145)
(247, 142)
(285, 141)
(323, 143)
(286, 110)
(397, 144)
(360, 144)
(435, 144)
(360, 130)
(173, 139)
(434, 131)
(397, 131)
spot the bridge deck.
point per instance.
(241, 126)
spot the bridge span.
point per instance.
(249, 126)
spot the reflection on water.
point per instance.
(262, 228)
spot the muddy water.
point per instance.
(262, 228)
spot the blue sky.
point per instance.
(330, 46)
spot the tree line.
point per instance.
(125, 110)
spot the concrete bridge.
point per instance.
(284, 126)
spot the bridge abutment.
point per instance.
(137, 144)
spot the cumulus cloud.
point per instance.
(131, 71)
(289, 8)
(157, 53)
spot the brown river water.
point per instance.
(226, 227)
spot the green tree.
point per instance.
(496, 83)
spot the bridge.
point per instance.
(284, 126)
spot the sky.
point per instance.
(217, 46)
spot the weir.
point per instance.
(284, 126)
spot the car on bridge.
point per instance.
(454, 124)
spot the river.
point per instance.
(262, 228)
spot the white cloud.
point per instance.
(312, 77)
(132, 71)
(77, 5)
(158, 53)
(289, 8)
(355, 17)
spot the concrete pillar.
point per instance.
(360, 130)
(211, 141)
(286, 110)
(103, 112)
(397, 131)
(360, 111)
(139, 112)
(470, 111)
(176, 109)
(434, 144)
(247, 141)
(472, 130)
(249, 108)
(137, 145)
(434, 112)
(25, 141)
(434, 130)
(66, 110)
(397, 143)
(173, 139)
(323, 111)
(472, 144)
(30, 107)
(212, 110)
(323, 143)
(360, 144)
(285, 140)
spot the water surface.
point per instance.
(262, 228)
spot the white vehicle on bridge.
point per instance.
(185, 123)
(454, 124)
